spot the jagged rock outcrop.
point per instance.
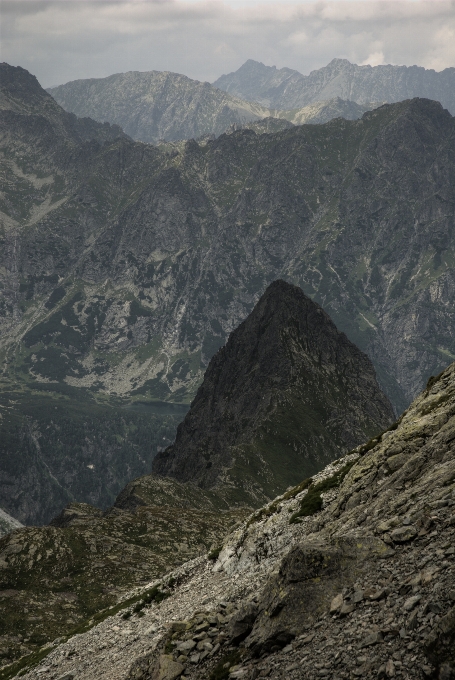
(286, 88)
(285, 395)
(361, 585)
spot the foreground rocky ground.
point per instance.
(362, 587)
(56, 579)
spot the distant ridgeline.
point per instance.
(157, 106)
(153, 106)
(286, 88)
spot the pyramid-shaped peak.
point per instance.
(280, 290)
(287, 391)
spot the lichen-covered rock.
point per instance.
(168, 669)
(403, 534)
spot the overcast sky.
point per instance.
(62, 40)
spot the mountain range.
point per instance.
(294, 528)
(125, 266)
(159, 106)
(286, 88)
(156, 106)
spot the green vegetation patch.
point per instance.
(433, 379)
(271, 509)
(214, 554)
(155, 594)
(313, 502)
(371, 443)
(24, 664)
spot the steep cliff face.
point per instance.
(125, 267)
(60, 447)
(284, 396)
(288, 89)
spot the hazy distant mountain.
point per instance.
(323, 111)
(320, 112)
(287, 89)
(156, 105)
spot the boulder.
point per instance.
(241, 624)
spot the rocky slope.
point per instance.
(288, 89)
(351, 574)
(155, 105)
(57, 580)
(124, 267)
(286, 394)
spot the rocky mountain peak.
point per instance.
(289, 89)
(287, 390)
(20, 90)
(22, 95)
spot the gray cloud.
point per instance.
(62, 40)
